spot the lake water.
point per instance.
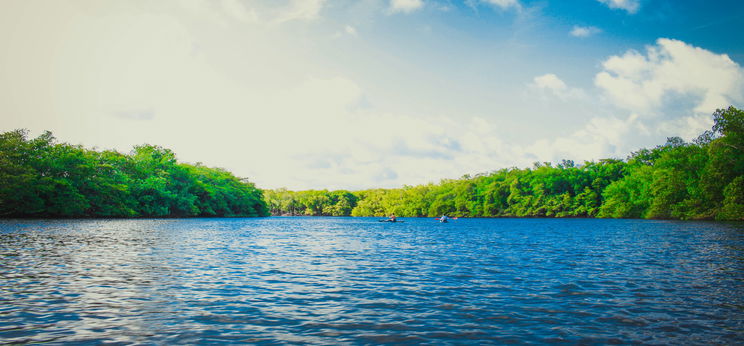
(355, 281)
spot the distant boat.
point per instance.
(387, 220)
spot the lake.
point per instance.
(283, 280)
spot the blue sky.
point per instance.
(371, 93)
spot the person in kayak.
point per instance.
(443, 218)
(392, 218)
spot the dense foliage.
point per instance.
(700, 180)
(42, 178)
(312, 202)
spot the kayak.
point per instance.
(445, 220)
(389, 221)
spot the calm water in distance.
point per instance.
(358, 281)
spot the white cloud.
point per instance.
(670, 90)
(239, 11)
(630, 6)
(347, 30)
(301, 10)
(350, 30)
(669, 74)
(504, 4)
(687, 127)
(255, 12)
(551, 83)
(601, 137)
(344, 146)
(584, 31)
(405, 6)
(314, 135)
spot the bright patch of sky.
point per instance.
(584, 31)
(630, 6)
(405, 5)
(336, 94)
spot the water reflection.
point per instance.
(341, 280)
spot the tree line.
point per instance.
(677, 180)
(42, 178)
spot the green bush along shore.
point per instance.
(42, 178)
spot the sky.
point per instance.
(335, 94)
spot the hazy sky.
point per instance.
(369, 93)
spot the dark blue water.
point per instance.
(358, 281)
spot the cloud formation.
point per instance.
(584, 31)
(504, 4)
(301, 10)
(344, 146)
(671, 72)
(670, 90)
(601, 137)
(630, 6)
(256, 12)
(405, 6)
(551, 83)
(350, 30)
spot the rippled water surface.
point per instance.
(356, 281)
